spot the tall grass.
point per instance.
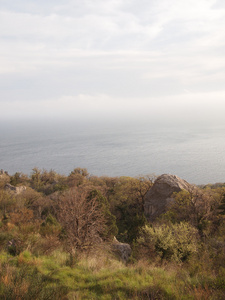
(101, 276)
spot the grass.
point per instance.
(91, 278)
(100, 275)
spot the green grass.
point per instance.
(102, 278)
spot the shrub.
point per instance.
(22, 216)
(50, 226)
(174, 242)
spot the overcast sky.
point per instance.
(156, 59)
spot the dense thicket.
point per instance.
(48, 228)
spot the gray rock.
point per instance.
(158, 198)
(15, 189)
(122, 249)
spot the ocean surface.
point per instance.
(194, 153)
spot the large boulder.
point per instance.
(158, 198)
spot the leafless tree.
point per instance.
(81, 218)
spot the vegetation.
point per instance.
(56, 236)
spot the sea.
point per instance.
(195, 153)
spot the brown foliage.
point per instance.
(21, 216)
(81, 219)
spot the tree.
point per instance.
(111, 229)
(36, 179)
(18, 178)
(126, 200)
(77, 177)
(82, 220)
(198, 207)
(80, 171)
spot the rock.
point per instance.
(122, 249)
(15, 189)
(160, 195)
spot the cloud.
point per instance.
(113, 54)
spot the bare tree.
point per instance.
(81, 218)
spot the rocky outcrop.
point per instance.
(160, 195)
(15, 189)
(123, 250)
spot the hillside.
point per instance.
(57, 237)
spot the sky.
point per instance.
(112, 59)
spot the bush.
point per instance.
(50, 226)
(173, 242)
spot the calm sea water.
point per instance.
(196, 154)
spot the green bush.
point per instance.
(173, 242)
